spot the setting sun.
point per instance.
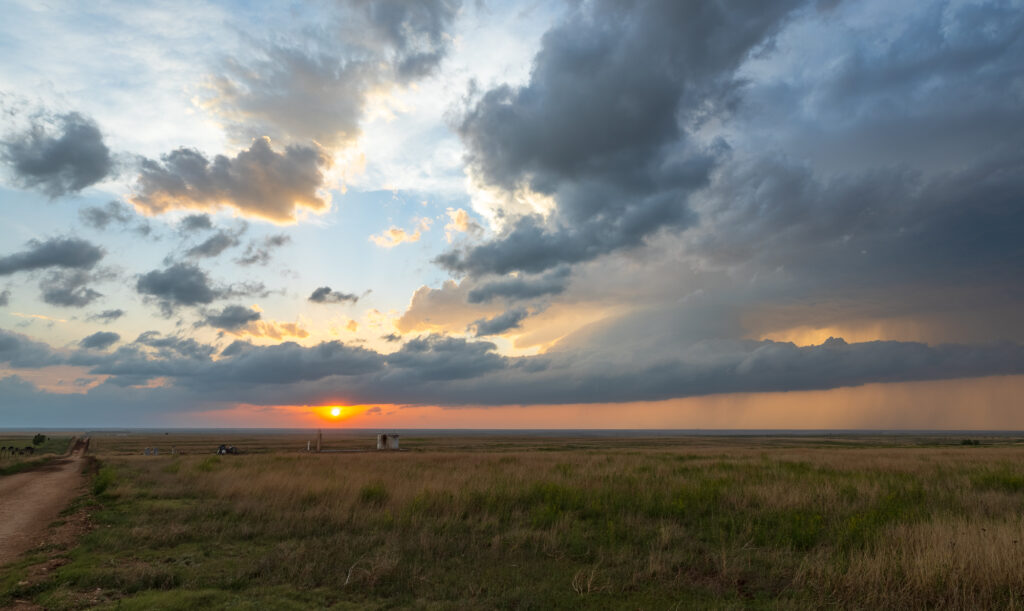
(335, 412)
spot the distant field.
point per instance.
(13, 464)
(547, 523)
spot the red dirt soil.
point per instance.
(31, 500)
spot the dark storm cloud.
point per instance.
(195, 222)
(497, 325)
(521, 287)
(280, 91)
(891, 228)
(259, 181)
(181, 284)
(71, 253)
(231, 317)
(61, 158)
(602, 129)
(101, 340)
(107, 316)
(214, 245)
(259, 252)
(324, 294)
(68, 288)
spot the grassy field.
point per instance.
(546, 523)
(53, 446)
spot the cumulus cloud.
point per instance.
(394, 236)
(365, 47)
(602, 130)
(99, 217)
(258, 182)
(259, 252)
(501, 323)
(459, 221)
(214, 245)
(181, 284)
(195, 222)
(68, 288)
(58, 155)
(101, 340)
(186, 284)
(521, 287)
(18, 350)
(107, 316)
(231, 317)
(67, 252)
(324, 294)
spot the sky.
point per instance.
(482, 214)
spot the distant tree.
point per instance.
(39, 439)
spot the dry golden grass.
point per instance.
(555, 523)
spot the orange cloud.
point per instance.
(394, 236)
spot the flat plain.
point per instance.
(540, 522)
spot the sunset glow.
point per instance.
(492, 215)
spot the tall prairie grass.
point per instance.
(557, 524)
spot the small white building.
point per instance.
(387, 442)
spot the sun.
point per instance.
(335, 411)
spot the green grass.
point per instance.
(684, 527)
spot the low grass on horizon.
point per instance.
(646, 524)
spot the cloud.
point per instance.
(18, 350)
(99, 217)
(69, 253)
(271, 328)
(68, 288)
(107, 316)
(259, 252)
(324, 294)
(170, 347)
(437, 357)
(501, 323)
(394, 236)
(355, 50)
(5, 297)
(460, 222)
(214, 245)
(258, 182)
(231, 318)
(195, 222)
(521, 287)
(101, 340)
(602, 130)
(181, 284)
(63, 155)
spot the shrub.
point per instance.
(104, 478)
(39, 439)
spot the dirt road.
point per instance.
(30, 501)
